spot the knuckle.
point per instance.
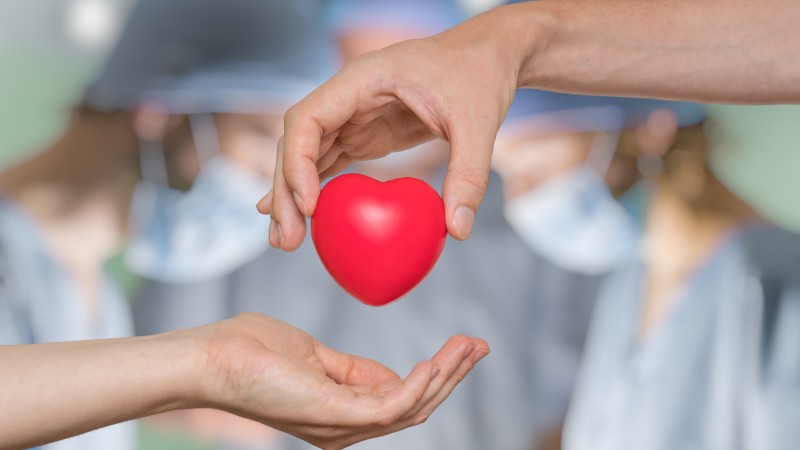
(292, 116)
(477, 179)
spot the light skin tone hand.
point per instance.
(458, 86)
(253, 366)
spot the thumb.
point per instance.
(467, 178)
(351, 369)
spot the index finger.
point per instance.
(296, 183)
(322, 112)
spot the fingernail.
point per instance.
(279, 232)
(462, 221)
(469, 351)
(300, 203)
(435, 371)
(479, 356)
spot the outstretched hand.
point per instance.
(456, 86)
(252, 365)
(268, 371)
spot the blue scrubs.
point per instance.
(721, 372)
(40, 303)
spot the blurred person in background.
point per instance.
(231, 105)
(56, 230)
(694, 343)
(552, 154)
(142, 164)
(573, 201)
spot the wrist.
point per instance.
(526, 35)
(181, 362)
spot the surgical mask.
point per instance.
(205, 232)
(573, 220)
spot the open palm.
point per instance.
(266, 370)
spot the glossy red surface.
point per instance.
(378, 240)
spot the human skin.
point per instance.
(252, 365)
(458, 86)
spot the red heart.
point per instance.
(378, 240)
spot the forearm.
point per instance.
(737, 51)
(50, 392)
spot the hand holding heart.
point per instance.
(392, 100)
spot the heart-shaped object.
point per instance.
(378, 240)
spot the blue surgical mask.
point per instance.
(575, 222)
(205, 232)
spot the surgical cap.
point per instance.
(195, 56)
(423, 16)
(577, 113)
